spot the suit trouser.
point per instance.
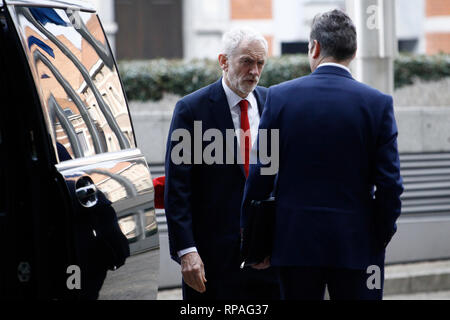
(247, 284)
(309, 283)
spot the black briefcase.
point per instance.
(258, 236)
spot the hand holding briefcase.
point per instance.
(258, 236)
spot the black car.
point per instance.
(77, 218)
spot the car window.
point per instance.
(77, 80)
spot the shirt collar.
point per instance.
(234, 99)
(332, 64)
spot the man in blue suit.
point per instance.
(203, 197)
(338, 141)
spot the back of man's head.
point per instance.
(336, 34)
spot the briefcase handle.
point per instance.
(257, 203)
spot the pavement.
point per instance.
(175, 294)
(411, 281)
(440, 295)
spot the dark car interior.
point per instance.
(34, 219)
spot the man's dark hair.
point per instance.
(336, 34)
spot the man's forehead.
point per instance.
(253, 49)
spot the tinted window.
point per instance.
(77, 80)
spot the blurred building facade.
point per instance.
(146, 29)
(106, 11)
(437, 26)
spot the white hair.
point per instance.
(233, 38)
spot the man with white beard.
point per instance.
(202, 201)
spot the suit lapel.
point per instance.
(219, 107)
(261, 99)
(222, 116)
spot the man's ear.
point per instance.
(316, 49)
(223, 62)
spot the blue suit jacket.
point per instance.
(203, 202)
(338, 140)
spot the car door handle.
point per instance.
(86, 192)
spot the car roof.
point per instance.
(59, 4)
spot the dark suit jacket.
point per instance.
(338, 139)
(203, 201)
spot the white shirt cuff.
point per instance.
(186, 251)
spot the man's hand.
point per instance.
(193, 271)
(263, 265)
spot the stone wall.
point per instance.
(437, 26)
(423, 129)
(151, 122)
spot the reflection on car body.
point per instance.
(88, 121)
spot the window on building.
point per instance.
(68, 112)
(82, 139)
(299, 47)
(156, 27)
(409, 45)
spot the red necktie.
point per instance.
(246, 145)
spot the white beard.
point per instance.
(234, 81)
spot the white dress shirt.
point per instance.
(253, 117)
(253, 112)
(335, 65)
